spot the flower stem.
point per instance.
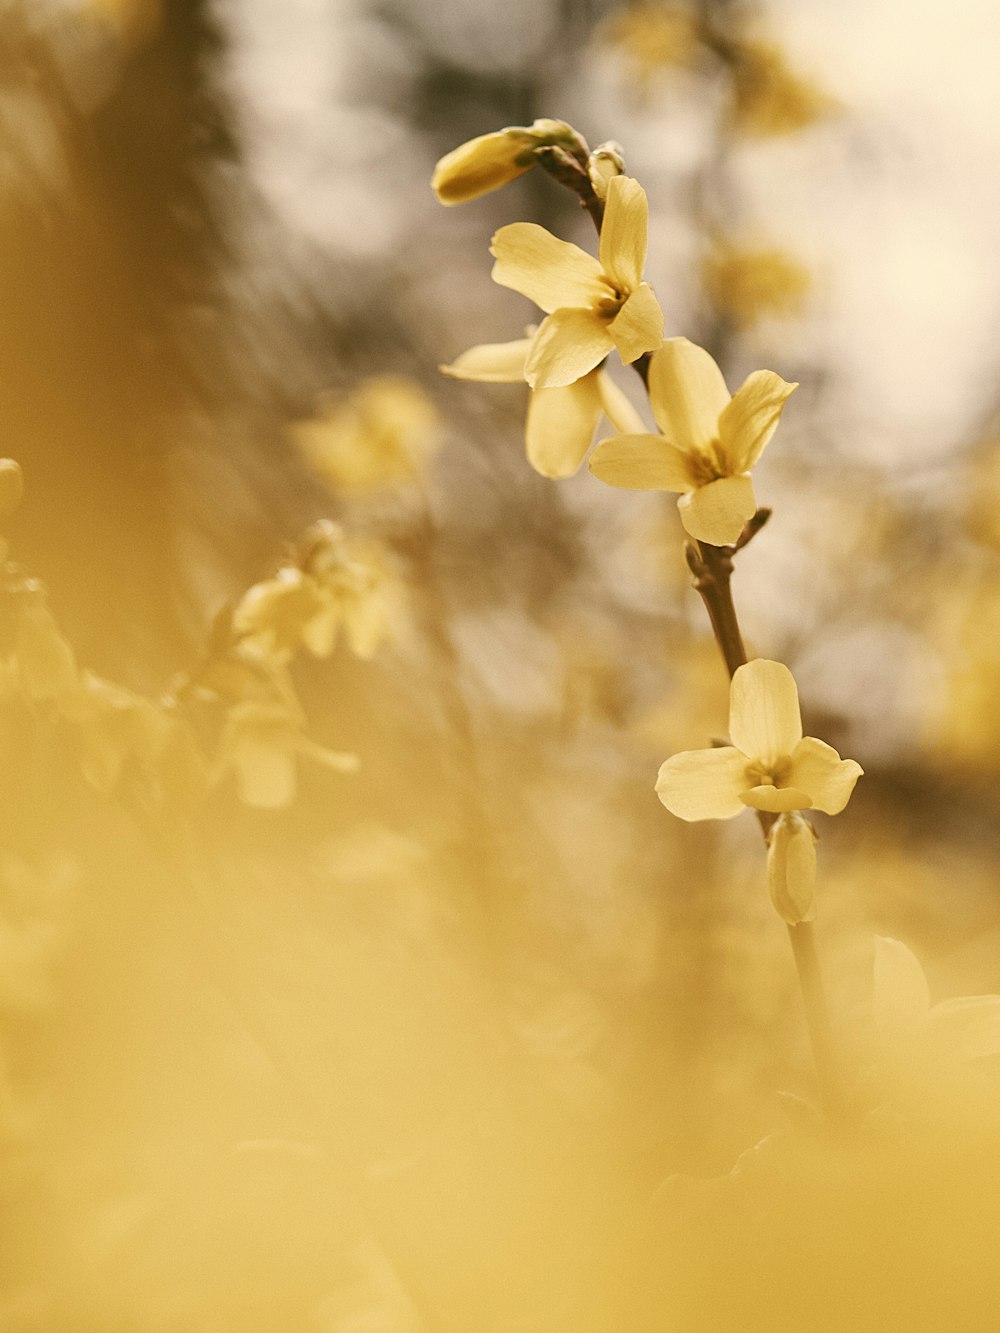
(712, 568)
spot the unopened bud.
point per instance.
(493, 160)
(607, 160)
(11, 486)
(791, 868)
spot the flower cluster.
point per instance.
(236, 711)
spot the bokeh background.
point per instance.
(418, 1050)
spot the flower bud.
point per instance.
(605, 161)
(791, 868)
(493, 160)
(11, 486)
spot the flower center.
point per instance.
(608, 306)
(770, 775)
(709, 464)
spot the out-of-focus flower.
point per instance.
(653, 37)
(593, 305)
(338, 582)
(382, 434)
(748, 285)
(952, 1032)
(791, 868)
(491, 161)
(562, 420)
(35, 660)
(260, 744)
(710, 440)
(768, 98)
(770, 765)
(11, 486)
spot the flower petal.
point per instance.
(265, 774)
(967, 1027)
(717, 513)
(497, 363)
(568, 345)
(641, 463)
(618, 407)
(901, 998)
(791, 869)
(638, 326)
(622, 246)
(550, 272)
(751, 418)
(703, 784)
(818, 769)
(764, 720)
(561, 424)
(687, 392)
(776, 800)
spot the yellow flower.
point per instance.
(653, 36)
(260, 744)
(768, 98)
(493, 160)
(561, 420)
(593, 305)
(384, 433)
(747, 285)
(770, 765)
(709, 442)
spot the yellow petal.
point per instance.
(496, 363)
(818, 769)
(967, 1027)
(775, 800)
(550, 272)
(764, 719)
(703, 784)
(641, 463)
(687, 392)
(638, 326)
(749, 421)
(567, 346)
(717, 513)
(483, 164)
(791, 869)
(618, 408)
(622, 246)
(561, 424)
(901, 996)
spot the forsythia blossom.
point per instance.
(593, 305)
(561, 420)
(493, 160)
(382, 434)
(769, 766)
(710, 440)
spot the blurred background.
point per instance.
(416, 1047)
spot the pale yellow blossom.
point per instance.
(710, 440)
(769, 766)
(562, 420)
(382, 434)
(653, 36)
(260, 745)
(40, 664)
(491, 161)
(593, 305)
(768, 97)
